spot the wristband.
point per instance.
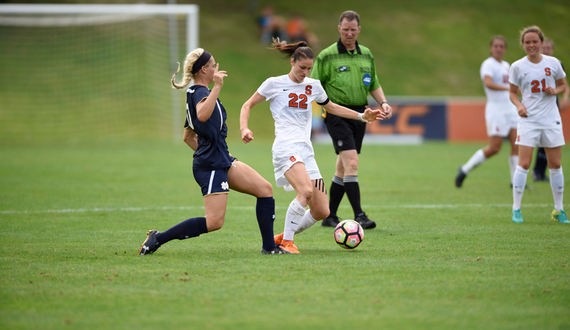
(362, 119)
(383, 103)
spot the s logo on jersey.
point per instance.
(548, 72)
(367, 79)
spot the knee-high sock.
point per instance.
(519, 182)
(513, 161)
(265, 212)
(477, 159)
(353, 193)
(295, 212)
(336, 193)
(186, 229)
(306, 222)
(557, 185)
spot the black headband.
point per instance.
(201, 61)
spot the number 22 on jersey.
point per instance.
(300, 100)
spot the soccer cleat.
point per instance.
(289, 247)
(276, 250)
(517, 217)
(459, 177)
(363, 220)
(150, 244)
(278, 239)
(330, 221)
(560, 216)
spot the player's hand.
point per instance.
(219, 76)
(373, 115)
(387, 110)
(246, 135)
(550, 91)
(522, 111)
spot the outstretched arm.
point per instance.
(246, 134)
(368, 115)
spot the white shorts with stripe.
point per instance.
(285, 156)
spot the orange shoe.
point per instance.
(278, 239)
(289, 247)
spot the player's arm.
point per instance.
(513, 95)
(368, 115)
(206, 106)
(378, 95)
(191, 138)
(246, 134)
(560, 87)
(488, 82)
(564, 101)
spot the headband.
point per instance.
(201, 61)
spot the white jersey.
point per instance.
(532, 79)
(499, 73)
(291, 107)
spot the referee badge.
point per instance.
(367, 79)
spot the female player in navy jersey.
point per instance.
(540, 78)
(294, 162)
(215, 170)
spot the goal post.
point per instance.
(73, 72)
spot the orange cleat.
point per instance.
(289, 247)
(278, 239)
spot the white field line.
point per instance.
(168, 208)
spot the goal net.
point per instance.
(92, 72)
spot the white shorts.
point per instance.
(501, 118)
(540, 137)
(284, 157)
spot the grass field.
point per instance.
(73, 217)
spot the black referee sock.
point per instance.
(541, 162)
(336, 193)
(186, 229)
(265, 212)
(353, 193)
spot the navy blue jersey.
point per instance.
(212, 152)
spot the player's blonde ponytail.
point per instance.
(188, 64)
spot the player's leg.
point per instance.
(480, 156)
(318, 206)
(514, 155)
(336, 194)
(554, 156)
(519, 180)
(243, 178)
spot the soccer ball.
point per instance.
(348, 234)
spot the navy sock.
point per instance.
(336, 194)
(265, 212)
(353, 193)
(186, 229)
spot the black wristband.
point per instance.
(383, 103)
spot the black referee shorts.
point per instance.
(347, 134)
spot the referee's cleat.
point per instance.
(460, 177)
(363, 220)
(276, 250)
(517, 217)
(560, 216)
(278, 239)
(289, 247)
(150, 244)
(330, 221)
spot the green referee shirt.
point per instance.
(347, 76)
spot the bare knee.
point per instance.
(265, 189)
(214, 223)
(320, 213)
(304, 195)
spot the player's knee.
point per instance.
(320, 213)
(214, 223)
(265, 189)
(305, 194)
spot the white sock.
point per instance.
(477, 159)
(557, 185)
(519, 181)
(295, 213)
(306, 222)
(513, 162)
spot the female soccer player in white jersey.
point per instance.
(500, 114)
(294, 162)
(540, 78)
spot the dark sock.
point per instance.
(353, 193)
(186, 229)
(541, 162)
(265, 212)
(336, 194)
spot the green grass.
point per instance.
(73, 217)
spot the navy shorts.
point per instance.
(213, 181)
(346, 134)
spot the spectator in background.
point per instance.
(298, 30)
(272, 26)
(539, 171)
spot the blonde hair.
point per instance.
(188, 64)
(529, 29)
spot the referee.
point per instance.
(347, 72)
